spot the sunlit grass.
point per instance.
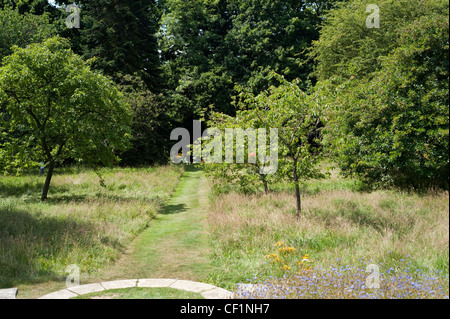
(339, 227)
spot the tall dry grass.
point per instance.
(338, 228)
(82, 222)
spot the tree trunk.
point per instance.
(297, 192)
(299, 199)
(48, 179)
(266, 187)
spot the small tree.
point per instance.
(58, 109)
(297, 116)
(240, 168)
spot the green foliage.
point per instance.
(185, 59)
(270, 36)
(394, 129)
(28, 6)
(244, 177)
(209, 46)
(22, 29)
(121, 35)
(192, 44)
(297, 116)
(58, 109)
(346, 46)
(151, 124)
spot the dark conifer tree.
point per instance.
(121, 37)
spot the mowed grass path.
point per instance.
(176, 244)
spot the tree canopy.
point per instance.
(22, 29)
(393, 129)
(121, 35)
(346, 47)
(210, 46)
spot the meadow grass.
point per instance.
(82, 223)
(258, 237)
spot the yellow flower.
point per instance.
(286, 249)
(306, 258)
(286, 268)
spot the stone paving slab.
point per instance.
(208, 291)
(62, 294)
(217, 293)
(119, 284)
(10, 293)
(155, 283)
(86, 289)
(191, 286)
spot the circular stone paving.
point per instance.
(206, 290)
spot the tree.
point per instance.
(394, 128)
(62, 109)
(210, 46)
(37, 7)
(348, 48)
(22, 29)
(245, 172)
(298, 118)
(151, 125)
(121, 35)
(193, 46)
(270, 36)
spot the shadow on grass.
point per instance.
(33, 188)
(100, 198)
(174, 209)
(33, 247)
(192, 168)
